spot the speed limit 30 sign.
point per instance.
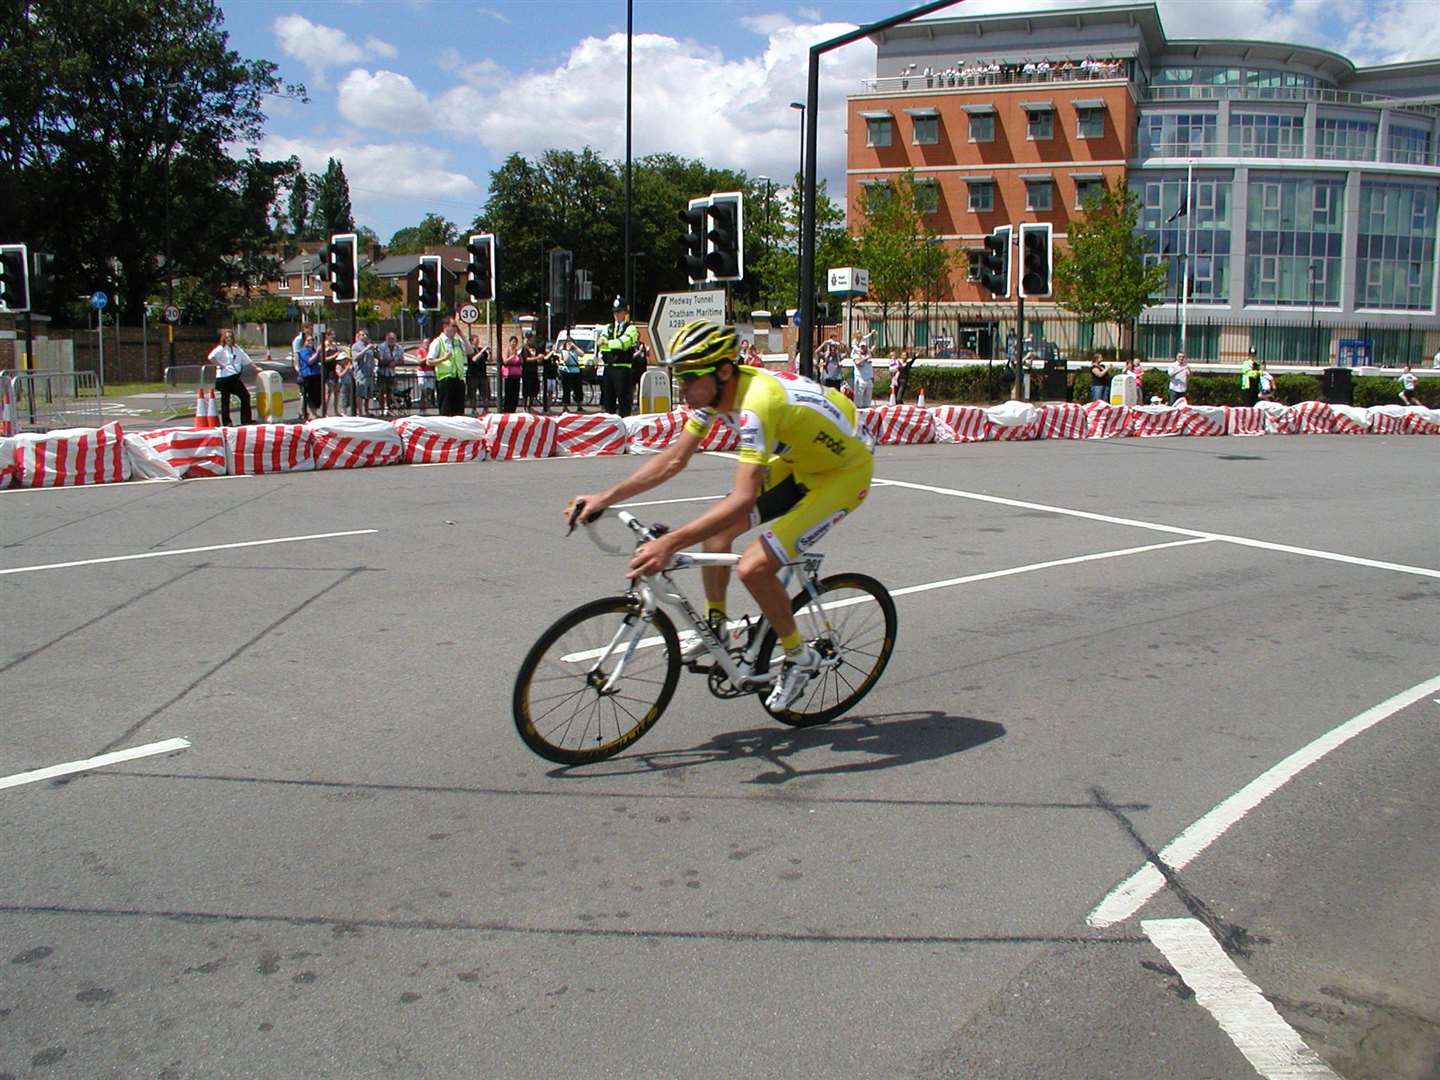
(469, 314)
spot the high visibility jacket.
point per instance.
(448, 357)
(617, 343)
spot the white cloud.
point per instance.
(1395, 30)
(376, 47)
(319, 47)
(383, 172)
(382, 99)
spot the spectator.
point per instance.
(830, 372)
(642, 361)
(230, 360)
(510, 369)
(1133, 367)
(864, 375)
(477, 376)
(1267, 384)
(299, 340)
(358, 379)
(902, 378)
(1099, 379)
(1435, 360)
(387, 357)
(530, 371)
(308, 369)
(424, 377)
(1250, 379)
(447, 355)
(1409, 382)
(1179, 378)
(330, 354)
(571, 378)
(550, 369)
(617, 351)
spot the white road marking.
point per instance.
(185, 551)
(667, 502)
(1132, 894)
(1257, 1030)
(1244, 541)
(150, 749)
(685, 635)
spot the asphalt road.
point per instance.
(356, 869)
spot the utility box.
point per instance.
(1335, 385)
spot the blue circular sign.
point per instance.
(99, 300)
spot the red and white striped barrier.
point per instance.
(721, 437)
(651, 433)
(1014, 421)
(1422, 421)
(1106, 421)
(1062, 420)
(189, 451)
(147, 463)
(960, 424)
(257, 449)
(1349, 420)
(9, 467)
(520, 435)
(353, 442)
(590, 435)
(1311, 418)
(1155, 422)
(1244, 420)
(1201, 419)
(901, 425)
(72, 456)
(1279, 419)
(441, 440)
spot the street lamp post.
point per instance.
(806, 364)
(1310, 273)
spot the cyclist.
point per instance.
(805, 462)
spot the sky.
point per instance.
(421, 99)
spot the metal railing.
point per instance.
(44, 400)
(1200, 148)
(181, 382)
(972, 77)
(1273, 93)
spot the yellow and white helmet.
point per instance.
(701, 346)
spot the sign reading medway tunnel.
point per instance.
(674, 310)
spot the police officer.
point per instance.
(617, 352)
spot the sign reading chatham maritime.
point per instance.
(674, 310)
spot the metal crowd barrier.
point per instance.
(184, 380)
(44, 400)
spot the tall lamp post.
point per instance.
(1310, 273)
(806, 364)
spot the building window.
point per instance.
(927, 196)
(1409, 145)
(1172, 134)
(927, 130)
(1267, 135)
(1293, 239)
(1191, 231)
(1041, 124)
(1039, 195)
(1346, 140)
(1395, 246)
(982, 198)
(875, 195)
(1090, 124)
(982, 127)
(972, 271)
(1085, 190)
(877, 130)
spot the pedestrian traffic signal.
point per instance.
(1035, 253)
(692, 240)
(724, 240)
(428, 283)
(342, 267)
(14, 278)
(481, 267)
(995, 262)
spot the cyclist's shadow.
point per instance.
(885, 741)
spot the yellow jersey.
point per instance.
(783, 417)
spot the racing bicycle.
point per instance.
(603, 674)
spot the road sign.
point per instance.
(98, 301)
(674, 310)
(469, 314)
(171, 314)
(848, 281)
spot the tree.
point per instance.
(772, 242)
(299, 205)
(433, 231)
(332, 200)
(1103, 276)
(898, 247)
(117, 143)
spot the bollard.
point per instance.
(1124, 390)
(654, 392)
(269, 396)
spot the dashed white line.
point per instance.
(169, 746)
(1133, 893)
(1257, 1030)
(185, 551)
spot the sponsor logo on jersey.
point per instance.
(831, 443)
(816, 533)
(752, 434)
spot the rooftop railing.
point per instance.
(1204, 149)
(1007, 75)
(1272, 93)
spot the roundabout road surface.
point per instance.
(355, 868)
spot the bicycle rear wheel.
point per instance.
(562, 708)
(853, 629)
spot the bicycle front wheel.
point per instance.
(853, 629)
(567, 708)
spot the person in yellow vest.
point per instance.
(1250, 379)
(617, 352)
(447, 354)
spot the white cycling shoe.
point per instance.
(733, 634)
(795, 675)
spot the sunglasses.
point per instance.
(696, 373)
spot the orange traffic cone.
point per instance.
(920, 400)
(212, 408)
(7, 412)
(202, 412)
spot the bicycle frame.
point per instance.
(652, 594)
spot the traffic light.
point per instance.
(14, 278)
(481, 267)
(725, 239)
(428, 282)
(342, 267)
(995, 263)
(692, 240)
(1035, 252)
(42, 280)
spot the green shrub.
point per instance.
(1383, 390)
